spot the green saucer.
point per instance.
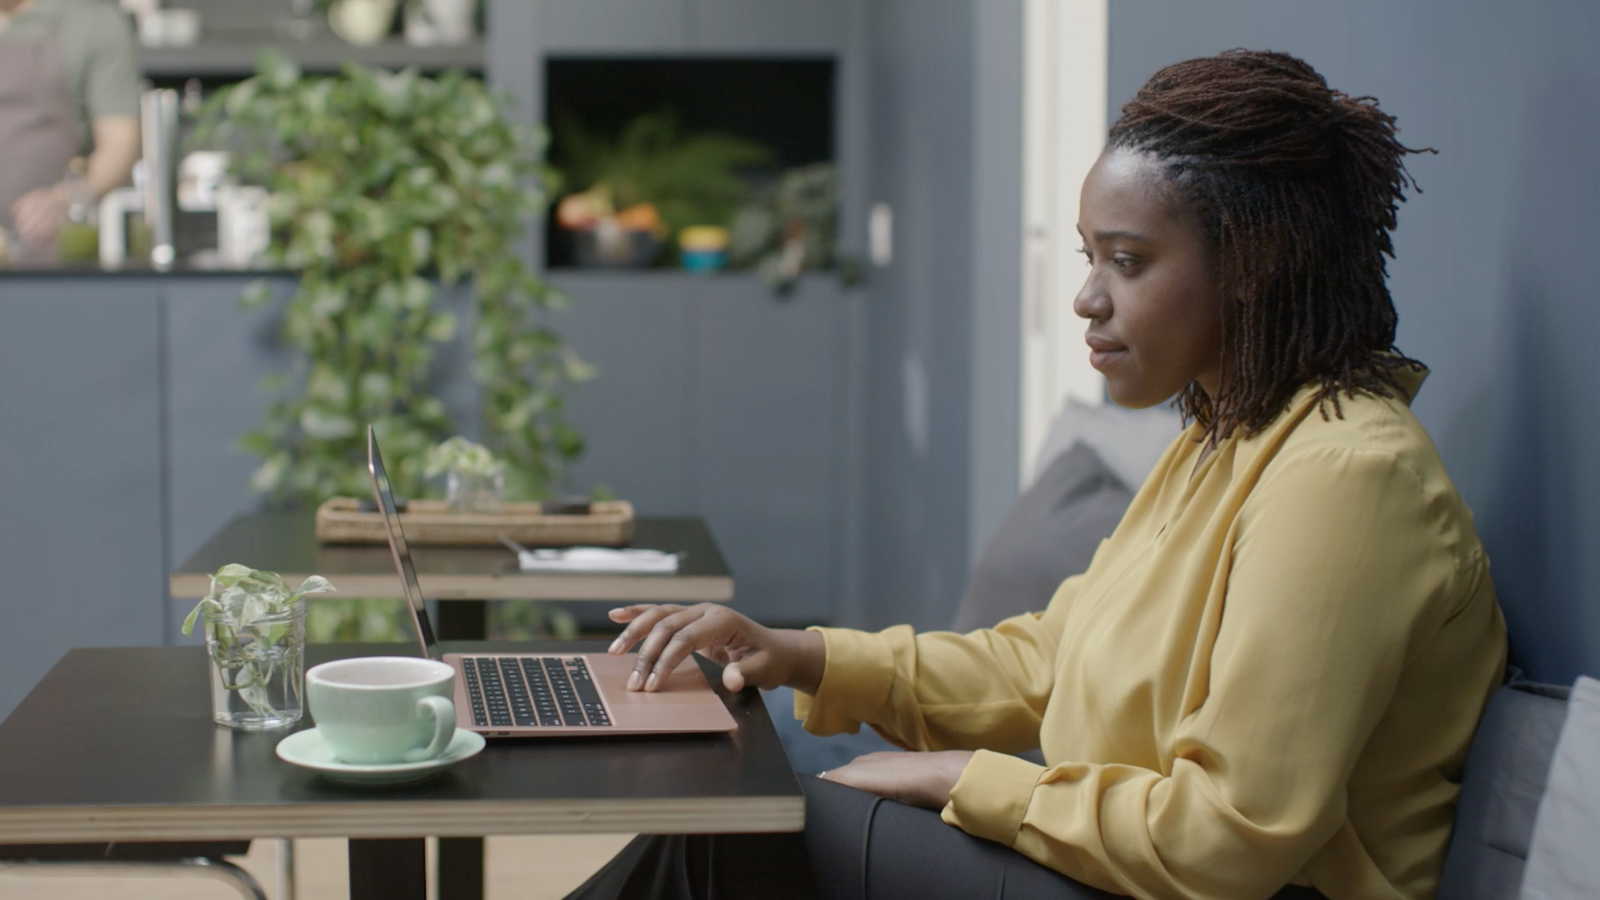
(308, 750)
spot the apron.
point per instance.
(39, 135)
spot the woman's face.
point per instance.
(1154, 310)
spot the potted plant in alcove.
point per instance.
(385, 188)
(649, 183)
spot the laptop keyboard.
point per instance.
(532, 690)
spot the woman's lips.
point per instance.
(1103, 351)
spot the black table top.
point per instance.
(118, 744)
(286, 543)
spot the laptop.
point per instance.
(535, 695)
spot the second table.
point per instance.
(286, 543)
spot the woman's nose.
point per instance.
(1092, 301)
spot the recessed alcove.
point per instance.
(785, 103)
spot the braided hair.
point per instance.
(1295, 187)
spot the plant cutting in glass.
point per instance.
(475, 478)
(251, 633)
(461, 455)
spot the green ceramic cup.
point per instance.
(377, 710)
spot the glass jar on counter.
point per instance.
(78, 236)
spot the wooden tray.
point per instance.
(609, 523)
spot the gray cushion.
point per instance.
(1050, 534)
(1129, 441)
(812, 755)
(1562, 862)
(1500, 790)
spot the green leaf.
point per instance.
(420, 246)
(441, 328)
(256, 294)
(461, 455)
(576, 369)
(323, 425)
(316, 584)
(276, 69)
(188, 621)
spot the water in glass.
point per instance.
(258, 671)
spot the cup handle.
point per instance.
(444, 728)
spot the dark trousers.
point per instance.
(856, 846)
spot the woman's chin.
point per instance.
(1136, 396)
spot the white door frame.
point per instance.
(1064, 128)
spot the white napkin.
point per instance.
(598, 559)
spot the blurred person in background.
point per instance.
(69, 87)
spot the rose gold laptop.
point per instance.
(532, 695)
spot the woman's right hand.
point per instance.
(750, 653)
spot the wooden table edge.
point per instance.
(511, 586)
(403, 819)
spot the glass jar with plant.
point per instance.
(475, 481)
(385, 187)
(255, 631)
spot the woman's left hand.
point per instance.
(915, 779)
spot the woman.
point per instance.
(1270, 674)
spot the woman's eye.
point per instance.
(1124, 263)
(1088, 258)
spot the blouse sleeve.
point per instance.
(1338, 572)
(941, 690)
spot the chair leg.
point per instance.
(223, 870)
(285, 869)
(218, 869)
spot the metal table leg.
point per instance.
(217, 869)
(461, 859)
(390, 869)
(285, 860)
(463, 620)
(461, 869)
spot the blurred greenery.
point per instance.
(788, 227)
(517, 621)
(384, 188)
(344, 620)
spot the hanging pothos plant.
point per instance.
(384, 188)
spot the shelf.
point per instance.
(235, 54)
(579, 275)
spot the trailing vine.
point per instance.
(387, 188)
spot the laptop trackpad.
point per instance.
(685, 702)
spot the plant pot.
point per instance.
(362, 22)
(610, 246)
(431, 23)
(258, 670)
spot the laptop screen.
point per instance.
(398, 548)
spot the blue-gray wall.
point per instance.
(996, 315)
(1497, 279)
(943, 387)
(915, 495)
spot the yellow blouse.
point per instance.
(1270, 673)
